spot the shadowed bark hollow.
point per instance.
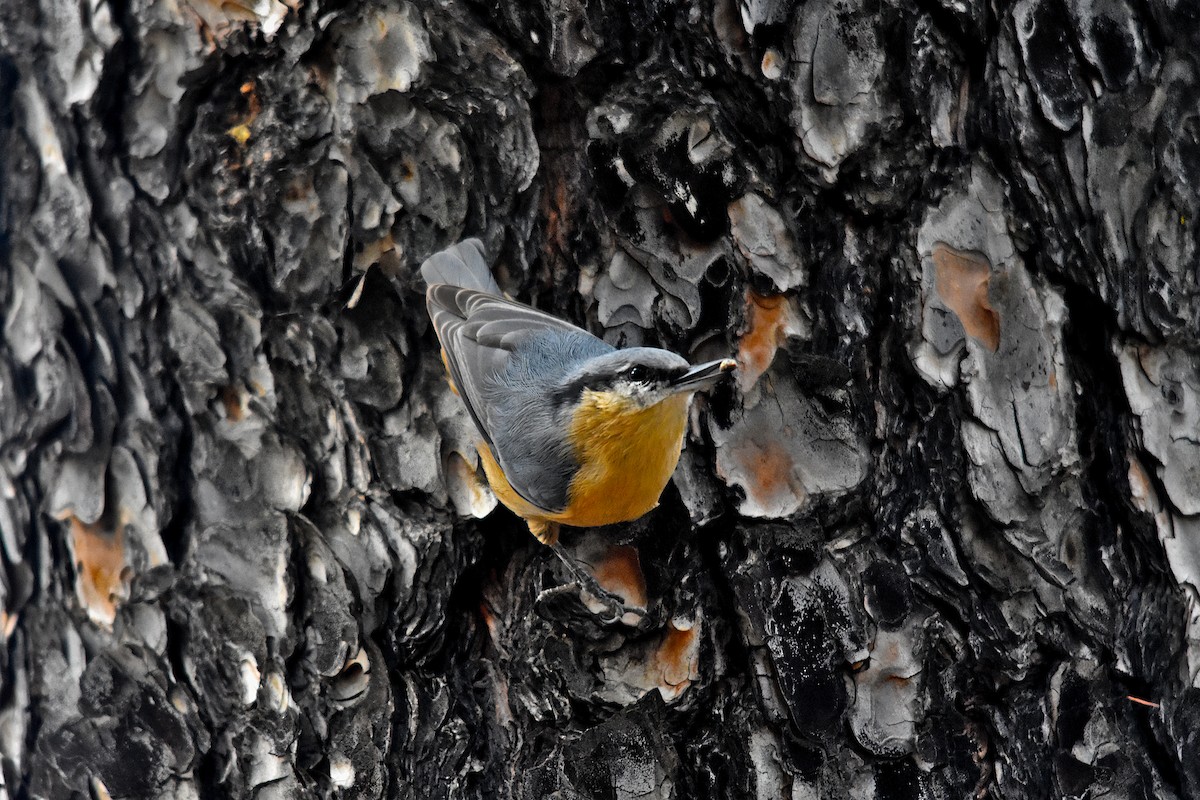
(939, 538)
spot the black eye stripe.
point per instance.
(638, 373)
(620, 377)
(643, 373)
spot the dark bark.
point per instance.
(941, 539)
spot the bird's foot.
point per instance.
(607, 606)
(598, 600)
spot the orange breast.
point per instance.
(626, 455)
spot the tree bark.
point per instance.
(940, 538)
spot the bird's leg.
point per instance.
(547, 533)
(579, 574)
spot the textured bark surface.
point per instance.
(939, 539)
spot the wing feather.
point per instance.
(502, 356)
(463, 265)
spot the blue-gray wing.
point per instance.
(505, 358)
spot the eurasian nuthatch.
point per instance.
(574, 431)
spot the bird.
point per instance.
(573, 431)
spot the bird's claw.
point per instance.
(598, 600)
(604, 604)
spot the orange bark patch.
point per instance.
(1139, 481)
(768, 471)
(1141, 489)
(382, 251)
(677, 660)
(299, 190)
(237, 11)
(100, 565)
(620, 572)
(962, 282)
(769, 318)
(771, 64)
(558, 217)
(231, 398)
(217, 19)
(489, 619)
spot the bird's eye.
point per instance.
(638, 374)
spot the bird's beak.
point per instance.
(702, 376)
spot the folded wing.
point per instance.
(504, 357)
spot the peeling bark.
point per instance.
(940, 538)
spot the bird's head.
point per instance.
(646, 375)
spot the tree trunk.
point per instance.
(940, 538)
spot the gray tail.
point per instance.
(461, 265)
